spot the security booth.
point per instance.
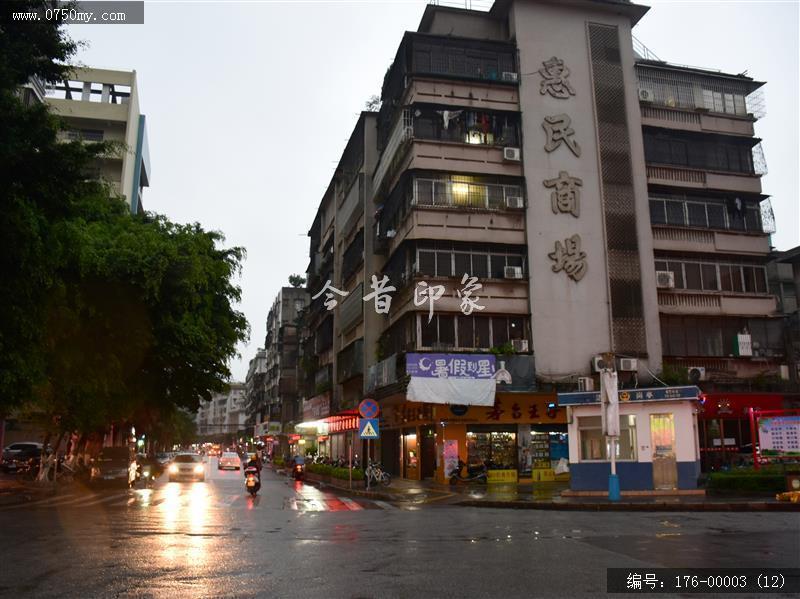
(657, 448)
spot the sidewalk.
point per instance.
(13, 490)
(547, 496)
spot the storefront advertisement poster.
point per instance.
(779, 435)
(457, 366)
(450, 453)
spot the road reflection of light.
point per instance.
(143, 496)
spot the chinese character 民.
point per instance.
(469, 303)
(569, 258)
(380, 292)
(565, 197)
(330, 301)
(559, 131)
(427, 293)
(554, 79)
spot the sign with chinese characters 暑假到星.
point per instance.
(458, 366)
(467, 379)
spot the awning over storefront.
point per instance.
(346, 420)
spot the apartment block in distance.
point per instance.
(103, 105)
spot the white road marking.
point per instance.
(384, 505)
(350, 503)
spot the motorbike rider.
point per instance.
(255, 462)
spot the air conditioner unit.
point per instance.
(665, 279)
(598, 364)
(510, 76)
(390, 233)
(585, 383)
(696, 373)
(646, 95)
(628, 364)
(511, 154)
(512, 272)
(520, 345)
(515, 202)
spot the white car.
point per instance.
(187, 466)
(229, 461)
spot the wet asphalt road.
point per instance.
(211, 540)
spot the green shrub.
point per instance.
(332, 471)
(747, 481)
(278, 462)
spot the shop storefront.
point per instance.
(725, 427)
(521, 437)
(657, 448)
(343, 434)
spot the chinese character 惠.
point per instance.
(559, 131)
(565, 197)
(569, 258)
(469, 303)
(427, 293)
(554, 79)
(330, 301)
(380, 292)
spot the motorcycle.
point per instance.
(475, 473)
(299, 471)
(252, 482)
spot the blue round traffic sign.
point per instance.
(368, 408)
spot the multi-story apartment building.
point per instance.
(255, 387)
(223, 416)
(103, 105)
(281, 350)
(604, 200)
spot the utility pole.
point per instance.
(609, 406)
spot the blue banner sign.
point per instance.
(654, 394)
(452, 366)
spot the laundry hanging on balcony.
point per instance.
(449, 115)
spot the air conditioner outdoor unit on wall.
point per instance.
(520, 345)
(696, 374)
(515, 202)
(646, 95)
(665, 279)
(511, 154)
(598, 364)
(628, 364)
(512, 272)
(510, 76)
(585, 383)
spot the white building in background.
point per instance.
(224, 413)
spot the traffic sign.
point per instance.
(368, 408)
(368, 428)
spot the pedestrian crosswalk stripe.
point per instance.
(384, 505)
(350, 503)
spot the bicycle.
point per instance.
(374, 473)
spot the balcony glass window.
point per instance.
(499, 331)
(443, 123)
(447, 331)
(697, 214)
(727, 213)
(688, 336)
(708, 154)
(483, 264)
(710, 276)
(466, 331)
(658, 214)
(693, 280)
(482, 333)
(463, 191)
(470, 332)
(444, 264)
(675, 213)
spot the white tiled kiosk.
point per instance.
(658, 445)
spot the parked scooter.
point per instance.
(476, 473)
(252, 481)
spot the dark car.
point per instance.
(22, 457)
(114, 465)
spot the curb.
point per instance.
(754, 506)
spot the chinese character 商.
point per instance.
(554, 79)
(565, 196)
(469, 303)
(330, 301)
(425, 293)
(569, 258)
(559, 131)
(380, 292)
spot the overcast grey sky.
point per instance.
(249, 106)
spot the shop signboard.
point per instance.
(273, 428)
(451, 378)
(654, 394)
(317, 407)
(779, 436)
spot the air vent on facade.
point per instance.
(520, 345)
(696, 374)
(585, 383)
(512, 272)
(665, 279)
(510, 76)
(628, 364)
(511, 154)
(646, 95)
(515, 202)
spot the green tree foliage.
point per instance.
(297, 280)
(106, 316)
